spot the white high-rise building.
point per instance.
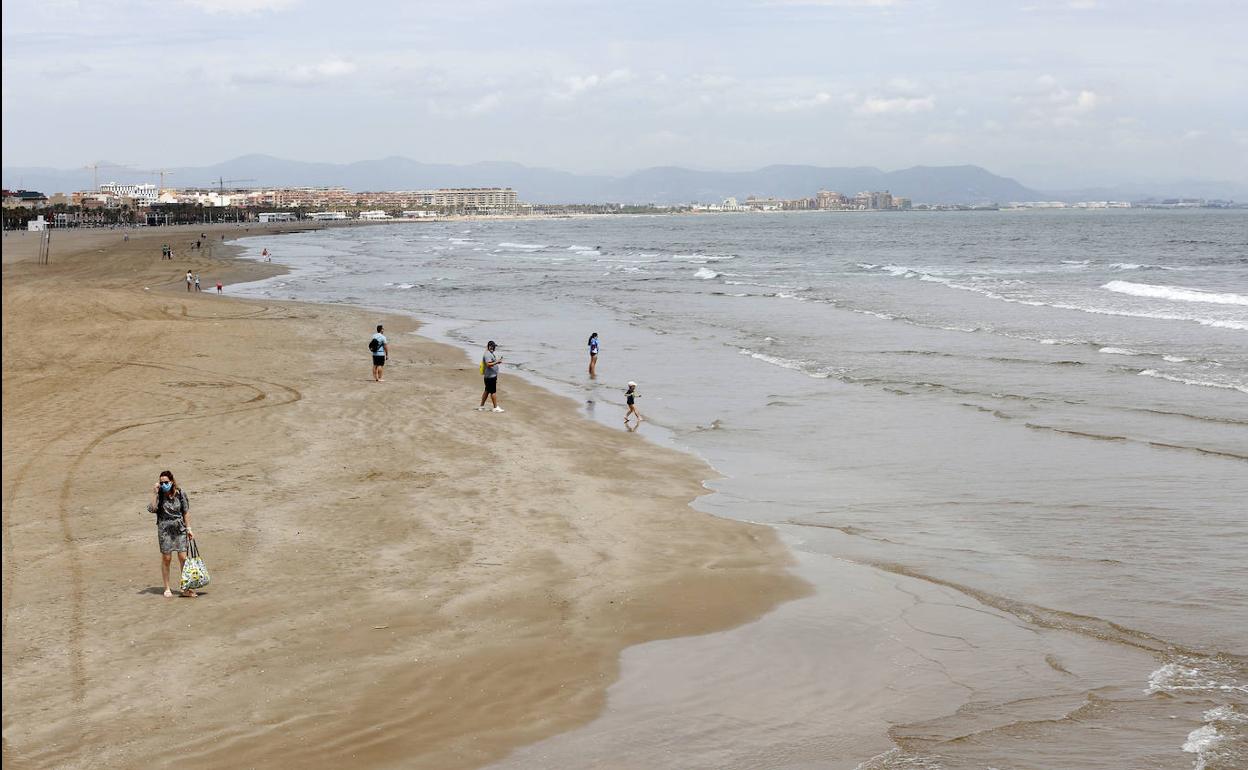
(145, 194)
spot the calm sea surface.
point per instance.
(1026, 433)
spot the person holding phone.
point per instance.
(490, 362)
(173, 525)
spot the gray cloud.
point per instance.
(1055, 91)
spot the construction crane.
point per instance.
(162, 172)
(222, 182)
(94, 168)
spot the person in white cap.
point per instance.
(630, 395)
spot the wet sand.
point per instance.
(398, 581)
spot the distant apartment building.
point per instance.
(142, 194)
(24, 199)
(467, 199)
(764, 204)
(826, 200)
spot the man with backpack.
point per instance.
(380, 349)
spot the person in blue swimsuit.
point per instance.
(593, 354)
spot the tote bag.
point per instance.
(194, 573)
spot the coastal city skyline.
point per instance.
(1060, 95)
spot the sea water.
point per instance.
(1026, 432)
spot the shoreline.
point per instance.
(416, 595)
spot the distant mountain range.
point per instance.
(660, 185)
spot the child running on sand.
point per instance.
(630, 396)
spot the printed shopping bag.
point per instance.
(194, 573)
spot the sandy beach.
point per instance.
(398, 581)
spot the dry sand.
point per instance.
(398, 580)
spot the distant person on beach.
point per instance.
(219, 286)
(490, 361)
(380, 349)
(190, 280)
(173, 525)
(197, 288)
(265, 254)
(630, 396)
(593, 354)
(164, 251)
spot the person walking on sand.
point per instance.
(379, 346)
(490, 362)
(218, 286)
(630, 396)
(197, 287)
(593, 354)
(173, 525)
(190, 280)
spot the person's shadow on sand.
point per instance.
(159, 591)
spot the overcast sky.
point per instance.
(1053, 92)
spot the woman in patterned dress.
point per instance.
(173, 525)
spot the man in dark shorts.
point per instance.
(380, 351)
(490, 362)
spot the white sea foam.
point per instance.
(896, 759)
(1200, 742)
(900, 271)
(705, 274)
(1120, 352)
(1175, 359)
(1207, 675)
(522, 246)
(404, 286)
(702, 258)
(1138, 266)
(1242, 388)
(785, 363)
(1175, 293)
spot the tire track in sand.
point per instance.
(270, 395)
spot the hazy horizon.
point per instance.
(1056, 94)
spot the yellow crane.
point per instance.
(162, 172)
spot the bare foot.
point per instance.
(189, 594)
(168, 593)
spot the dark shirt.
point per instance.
(170, 506)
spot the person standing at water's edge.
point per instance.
(190, 280)
(173, 525)
(380, 348)
(490, 361)
(593, 354)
